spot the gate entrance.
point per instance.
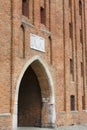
(34, 104)
(29, 100)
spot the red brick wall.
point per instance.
(58, 52)
(5, 51)
(5, 64)
(5, 122)
(72, 49)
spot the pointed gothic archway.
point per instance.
(34, 101)
(29, 100)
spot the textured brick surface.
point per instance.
(15, 52)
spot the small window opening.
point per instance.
(71, 70)
(71, 66)
(81, 38)
(83, 102)
(70, 3)
(70, 30)
(82, 69)
(72, 102)
(80, 7)
(42, 15)
(25, 8)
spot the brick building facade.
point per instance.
(43, 76)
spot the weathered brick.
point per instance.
(15, 53)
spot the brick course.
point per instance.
(59, 49)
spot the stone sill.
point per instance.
(5, 114)
(43, 29)
(84, 110)
(46, 31)
(72, 82)
(27, 23)
(62, 113)
(74, 112)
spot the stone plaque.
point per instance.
(37, 42)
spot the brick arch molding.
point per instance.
(52, 116)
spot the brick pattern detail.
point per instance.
(59, 49)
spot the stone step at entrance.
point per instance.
(32, 128)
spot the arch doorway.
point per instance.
(34, 102)
(29, 100)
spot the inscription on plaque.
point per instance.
(37, 42)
